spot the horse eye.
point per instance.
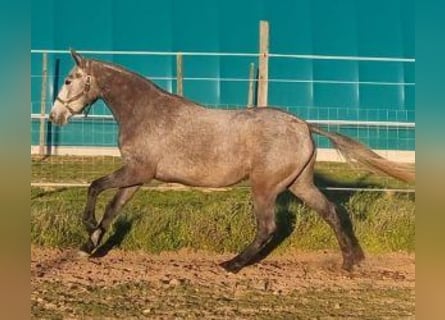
(67, 82)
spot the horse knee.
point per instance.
(332, 217)
(94, 187)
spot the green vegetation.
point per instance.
(155, 221)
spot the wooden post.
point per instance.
(251, 85)
(263, 76)
(179, 86)
(43, 103)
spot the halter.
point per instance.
(85, 90)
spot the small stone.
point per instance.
(260, 285)
(73, 286)
(50, 306)
(337, 306)
(146, 311)
(277, 292)
(174, 282)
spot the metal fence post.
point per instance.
(251, 85)
(43, 103)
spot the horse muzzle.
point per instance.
(59, 117)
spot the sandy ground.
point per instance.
(277, 275)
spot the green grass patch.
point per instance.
(156, 221)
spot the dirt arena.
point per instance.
(188, 285)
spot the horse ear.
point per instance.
(77, 57)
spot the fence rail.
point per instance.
(85, 185)
(230, 54)
(391, 124)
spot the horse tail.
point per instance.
(355, 152)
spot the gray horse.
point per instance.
(169, 138)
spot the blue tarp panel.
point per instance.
(313, 88)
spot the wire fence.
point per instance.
(87, 148)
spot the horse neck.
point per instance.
(126, 94)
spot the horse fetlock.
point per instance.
(358, 255)
(93, 241)
(96, 236)
(352, 257)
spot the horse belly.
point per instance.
(195, 173)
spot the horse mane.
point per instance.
(120, 69)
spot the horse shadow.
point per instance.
(122, 226)
(48, 193)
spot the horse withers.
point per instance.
(172, 139)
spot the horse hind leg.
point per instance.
(267, 182)
(305, 189)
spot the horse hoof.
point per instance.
(231, 266)
(87, 248)
(358, 256)
(82, 254)
(347, 265)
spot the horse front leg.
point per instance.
(129, 180)
(89, 218)
(122, 196)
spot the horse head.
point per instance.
(79, 91)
